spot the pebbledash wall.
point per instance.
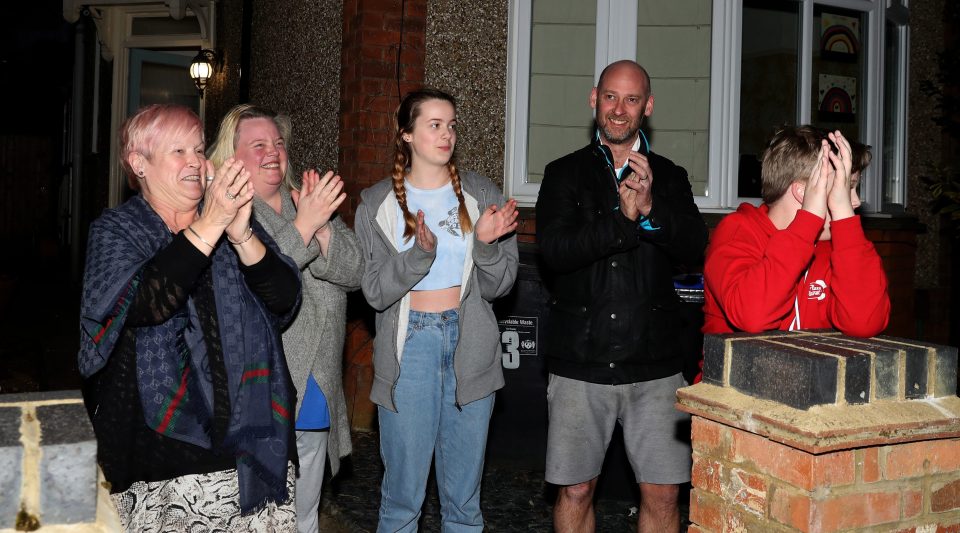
(333, 67)
(817, 432)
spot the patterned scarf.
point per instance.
(173, 370)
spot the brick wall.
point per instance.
(358, 375)
(369, 98)
(897, 249)
(767, 457)
(747, 482)
(369, 85)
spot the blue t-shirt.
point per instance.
(313, 409)
(440, 213)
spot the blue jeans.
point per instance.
(429, 425)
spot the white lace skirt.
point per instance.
(201, 503)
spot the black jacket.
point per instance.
(614, 315)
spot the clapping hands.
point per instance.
(495, 222)
(423, 237)
(316, 201)
(635, 191)
(228, 198)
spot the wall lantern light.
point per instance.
(202, 68)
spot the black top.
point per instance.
(614, 315)
(127, 449)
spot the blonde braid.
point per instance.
(399, 167)
(466, 225)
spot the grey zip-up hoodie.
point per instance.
(488, 273)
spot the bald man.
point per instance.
(614, 222)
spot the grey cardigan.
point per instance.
(489, 272)
(314, 340)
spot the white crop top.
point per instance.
(440, 208)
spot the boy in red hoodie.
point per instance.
(800, 260)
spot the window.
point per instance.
(559, 47)
(724, 75)
(561, 75)
(769, 80)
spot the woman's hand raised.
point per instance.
(228, 200)
(226, 195)
(316, 202)
(496, 222)
(423, 237)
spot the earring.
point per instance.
(406, 138)
(141, 173)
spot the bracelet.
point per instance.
(245, 239)
(197, 235)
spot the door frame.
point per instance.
(116, 29)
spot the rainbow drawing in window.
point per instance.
(837, 98)
(839, 37)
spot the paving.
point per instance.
(512, 499)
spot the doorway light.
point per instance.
(202, 68)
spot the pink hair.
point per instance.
(151, 125)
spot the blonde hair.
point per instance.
(790, 156)
(225, 145)
(150, 125)
(406, 116)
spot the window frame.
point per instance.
(617, 37)
(620, 42)
(897, 12)
(519, 30)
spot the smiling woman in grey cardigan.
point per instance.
(304, 225)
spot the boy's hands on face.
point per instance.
(819, 184)
(838, 200)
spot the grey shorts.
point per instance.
(582, 419)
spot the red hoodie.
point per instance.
(759, 278)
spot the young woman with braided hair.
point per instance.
(438, 249)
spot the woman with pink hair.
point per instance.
(184, 378)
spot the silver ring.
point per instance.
(209, 179)
(231, 196)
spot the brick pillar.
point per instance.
(817, 432)
(368, 85)
(368, 100)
